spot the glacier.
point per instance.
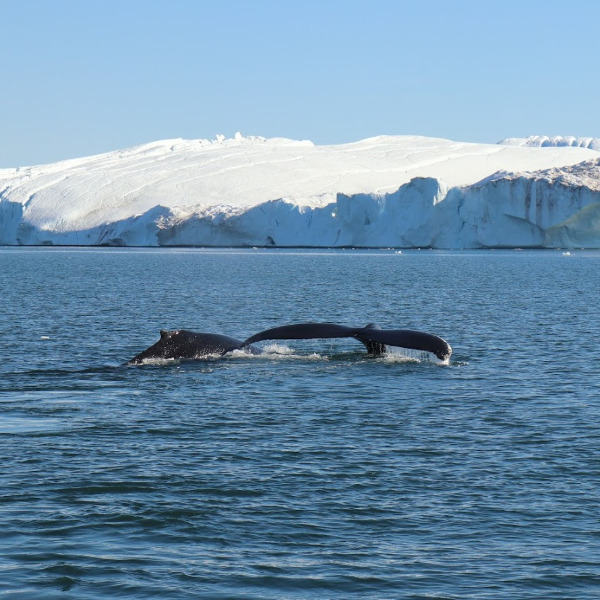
(386, 191)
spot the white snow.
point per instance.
(402, 191)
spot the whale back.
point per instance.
(187, 344)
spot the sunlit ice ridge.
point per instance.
(385, 191)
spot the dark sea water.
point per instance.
(312, 471)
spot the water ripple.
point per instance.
(312, 472)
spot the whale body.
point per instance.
(187, 344)
(192, 345)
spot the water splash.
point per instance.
(395, 354)
(277, 352)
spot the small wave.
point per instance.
(22, 424)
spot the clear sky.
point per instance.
(80, 77)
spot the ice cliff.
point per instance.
(402, 191)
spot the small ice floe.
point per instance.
(44, 337)
(566, 254)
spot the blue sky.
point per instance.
(86, 76)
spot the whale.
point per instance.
(185, 344)
(182, 343)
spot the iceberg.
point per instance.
(386, 191)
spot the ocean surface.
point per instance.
(311, 471)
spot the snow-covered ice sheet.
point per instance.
(403, 191)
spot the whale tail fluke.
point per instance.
(372, 336)
(407, 338)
